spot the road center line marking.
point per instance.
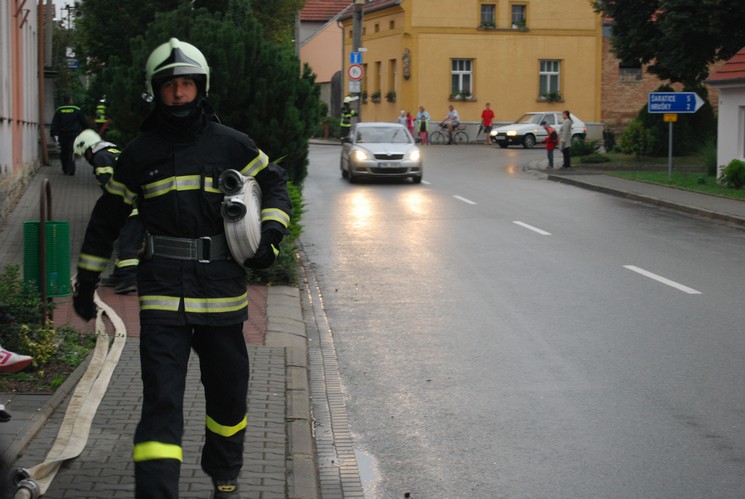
(534, 229)
(663, 280)
(465, 200)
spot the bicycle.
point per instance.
(445, 136)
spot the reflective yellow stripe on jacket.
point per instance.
(166, 185)
(276, 215)
(92, 262)
(256, 165)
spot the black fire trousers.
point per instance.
(164, 356)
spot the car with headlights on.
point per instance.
(382, 150)
(527, 131)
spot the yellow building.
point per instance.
(519, 55)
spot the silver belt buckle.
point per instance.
(202, 243)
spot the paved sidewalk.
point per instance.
(279, 460)
(731, 211)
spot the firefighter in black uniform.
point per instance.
(67, 123)
(102, 157)
(192, 293)
(346, 117)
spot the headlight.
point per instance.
(414, 155)
(361, 155)
(512, 133)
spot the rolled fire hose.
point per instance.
(241, 213)
(73, 434)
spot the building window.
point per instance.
(629, 74)
(549, 77)
(392, 25)
(488, 15)
(378, 77)
(392, 75)
(519, 16)
(461, 77)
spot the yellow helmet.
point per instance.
(176, 58)
(87, 138)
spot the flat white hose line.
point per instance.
(73, 434)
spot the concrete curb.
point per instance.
(286, 329)
(650, 200)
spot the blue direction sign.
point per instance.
(674, 102)
(355, 58)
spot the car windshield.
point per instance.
(382, 135)
(529, 119)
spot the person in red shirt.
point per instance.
(410, 123)
(487, 116)
(551, 142)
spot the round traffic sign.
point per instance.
(355, 72)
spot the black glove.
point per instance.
(267, 251)
(82, 299)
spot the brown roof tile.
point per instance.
(733, 69)
(322, 10)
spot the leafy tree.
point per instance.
(679, 39)
(277, 18)
(255, 86)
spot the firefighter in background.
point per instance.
(346, 116)
(67, 123)
(192, 293)
(102, 120)
(102, 157)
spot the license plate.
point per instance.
(387, 165)
(501, 136)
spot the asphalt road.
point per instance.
(499, 335)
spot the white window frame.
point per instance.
(549, 76)
(461, 76)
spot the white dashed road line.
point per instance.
(663, 280)
(534, 229)
(464, 199)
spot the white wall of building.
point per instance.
(731, 124)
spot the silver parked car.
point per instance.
(527, 130)
(384, 150)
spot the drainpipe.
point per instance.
(42, 131)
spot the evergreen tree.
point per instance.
(255, 86)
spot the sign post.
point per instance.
(669, 104)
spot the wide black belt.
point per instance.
(202, 249)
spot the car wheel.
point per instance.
(417, 179)
(528, 141)
(577, 138)
(503, 145)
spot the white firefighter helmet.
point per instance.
(349, 99)
(241, 213)
(176, 58)
(87, 138)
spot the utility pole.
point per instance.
(357, 44)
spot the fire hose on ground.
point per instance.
(73, 434)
